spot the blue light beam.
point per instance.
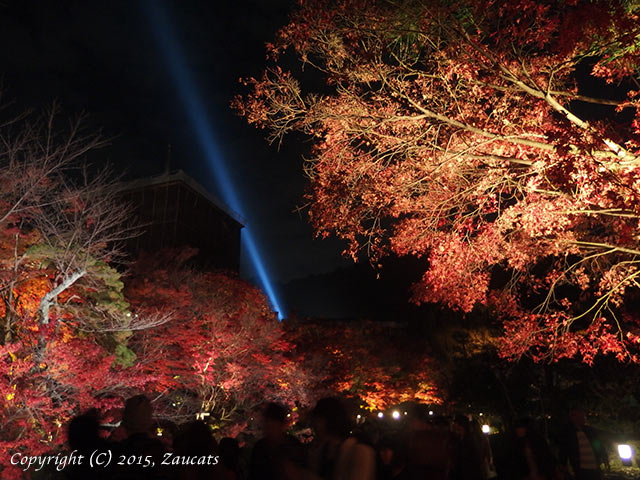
(187, 92)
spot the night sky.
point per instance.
(101, 57)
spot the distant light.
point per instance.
(288, 415)
(250, 244)
(430, 412)
(396, 414)
(480, 414)
(358, 416)
(186, 86)
(626, 454)
(486, 429)
(380, 414)
(406, 413)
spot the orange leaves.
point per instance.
(534, 334)
(467, 145)
(50, 372)
(30, 292)
(366, 361)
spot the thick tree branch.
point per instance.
(49, 297)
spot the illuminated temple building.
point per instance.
(175, 211)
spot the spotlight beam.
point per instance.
(186, 87)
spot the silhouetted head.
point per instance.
(229, 451)
(522, 427)
(83, 431)
(330, 418)
(418, 417)
(274, 420)
(195, 438)
(387, 447)
(138, 415)
(576, 415)
(461, 425)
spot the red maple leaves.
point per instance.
(450, 131)
(223, 352)
(365, 361)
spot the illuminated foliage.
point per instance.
(223, 354)
(64, 322)
(70, 340)
(459, 132)
(364, 361)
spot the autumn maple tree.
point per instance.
(349, 358)
(64, 319)
(461, 132)
(222, 355)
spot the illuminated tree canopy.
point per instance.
(222, 354)
(75, 333)
(363, 361)
(459, 132)
(64, 319)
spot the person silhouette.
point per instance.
(582, 447)
(83, 435)
(140, 442)
(276, 449)
(340, 455)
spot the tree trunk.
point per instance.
(47, 300)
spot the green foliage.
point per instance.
(111, 294)
(125, 357)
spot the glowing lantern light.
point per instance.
(626, 454)
(430, 412)
(486, 429)
(396, 414)
(380, 414)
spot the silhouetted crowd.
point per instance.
(424, 448)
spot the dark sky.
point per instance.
(101, 57)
